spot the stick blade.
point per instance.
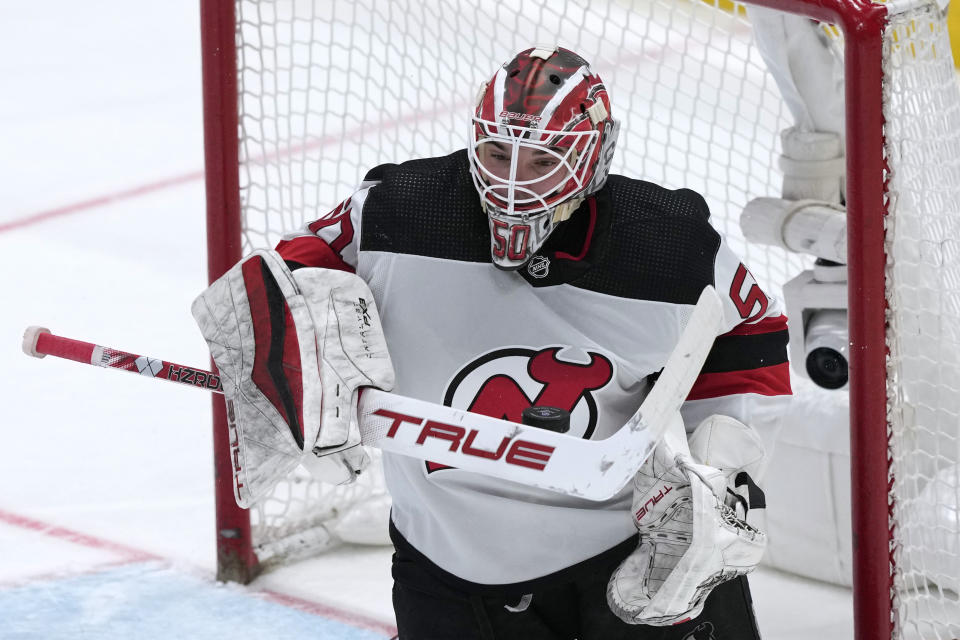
(30, 338)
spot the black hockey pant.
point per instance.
(433, 610)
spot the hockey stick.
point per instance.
(595, 470)
(39, 342)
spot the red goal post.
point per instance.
(267, 173)
(236, 560)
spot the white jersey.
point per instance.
(585, 326)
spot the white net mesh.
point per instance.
(332, 88)
(922, 112)
(304, 517)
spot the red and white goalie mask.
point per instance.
(541, 140)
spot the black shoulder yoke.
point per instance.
(426, 207)
(650, 243)
(660, 246)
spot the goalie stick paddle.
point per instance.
(595, 470)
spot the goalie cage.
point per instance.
(319, 92)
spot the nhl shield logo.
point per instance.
(539, 266)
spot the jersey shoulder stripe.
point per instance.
(765, 381)
(310, 251)
(650, 243)
(736, 351)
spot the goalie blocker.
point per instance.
(292, 351)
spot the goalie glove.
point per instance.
(691, 539)
(292, 348)
(353, 354)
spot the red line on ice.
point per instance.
(333, 613)
(130, 555)
(75, 537)
(63, 574)
(309, 144)
(109, 198)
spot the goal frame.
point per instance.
(862, 23)
(236, 560)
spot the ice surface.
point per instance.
(147, 602)
(100, 98)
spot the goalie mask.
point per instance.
(541, 141)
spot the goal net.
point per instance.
(302, 97)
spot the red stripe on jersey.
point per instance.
(311, 251)
(339, 216)
(767, 325)
(765, 381)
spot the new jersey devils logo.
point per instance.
(503, 383)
